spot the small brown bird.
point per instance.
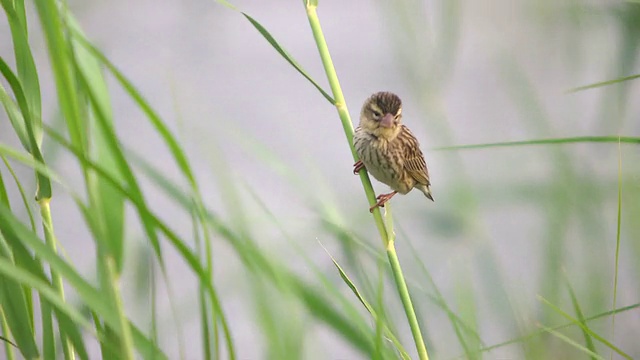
(388, 150)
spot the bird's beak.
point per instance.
(387, 121)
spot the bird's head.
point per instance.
(381, 115)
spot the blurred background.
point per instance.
(509, 224)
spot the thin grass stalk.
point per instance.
(28, 294)
(387, 237)
(202, 299)
(403, 290)
(213, 322)
(617, 258)
(50, 238)
(126, 338)
(8, 348)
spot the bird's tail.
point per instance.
(427, 192)
(429, 196)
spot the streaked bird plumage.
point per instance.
(388, 149)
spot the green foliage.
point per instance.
(50, 308)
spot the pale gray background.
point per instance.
(221, 86)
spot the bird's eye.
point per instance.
(376, 113)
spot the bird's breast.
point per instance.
(383, 161)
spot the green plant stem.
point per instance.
(401, 284)
(126, 339)
(347, 125)
(50, 238)
(8, 350)
(343, 112)
(403, 291)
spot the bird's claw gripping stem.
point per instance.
(357, 167)
(382, 199)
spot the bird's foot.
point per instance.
(357, 167)
(382, 199)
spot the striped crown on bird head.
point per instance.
(381, 114)
(387, 103)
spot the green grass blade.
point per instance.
(569, 140)
(24, 258)
(586, 329)
(44, 185)
(604, 83)
(175, 149)
(467, 308)
(458, 324)
(48, 333)
(44, 289)
(334, 297)
(27, 72)
(287, 57)
(8, 349)
(15, 118)
(323, 311)
(4, 198)
(22, 192)
(107, 205)
(155, 119)
(571, 342)
(124, 330)
(13, 229)
(317, 304)
(14, 307)
(73, 333)
(379, 309)
(153, 222)
(62, 66)
(95, 300)
(121, 165)
(376, 317)
(274, 43)
(29, 161)
(617, 256)
(534, 334)
(580, 315)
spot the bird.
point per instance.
(388, 150)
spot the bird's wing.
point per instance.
(413, 159)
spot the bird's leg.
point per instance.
(382, 199)
(357, 167)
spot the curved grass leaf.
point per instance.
(15, 118)
(534, 334)
(155, 119)
(580, 315)
(370, 309)
(317, 304)
(571, 342)
(15, 310)
(4, 198)
(286, 56)
(616, 262)
(438, 299)
(603, 83)
(93, 298)
(585, 328)
(107, 205)
(274, 43)
(558, 141)
(27, 72)
(43, 183)
(154, 222)
(62, 68)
